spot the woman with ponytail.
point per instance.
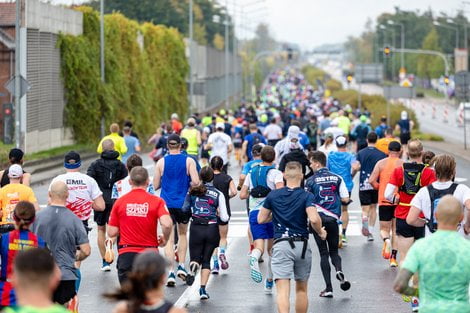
(206, 205)
(143, 291)
(21, 238)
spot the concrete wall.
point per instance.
(48, 139)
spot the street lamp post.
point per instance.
(227, 59)
(17, 75)
(452, 28)
(402, 38)
(191, 63)
(102, 57)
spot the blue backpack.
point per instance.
(259, 179)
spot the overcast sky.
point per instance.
(311, 23)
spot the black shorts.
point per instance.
(386, 212)
(65, 291)
(205, 154)
(124, 265)
(408, 231)
(102, 218)
(404, 138)
(368, 197)
(272, 142)
(178, 216)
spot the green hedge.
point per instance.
(143, 85)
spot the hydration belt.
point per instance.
(291, 241)
(136, 246)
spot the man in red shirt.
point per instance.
(404, 183)
(134, 218)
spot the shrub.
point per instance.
(334, 85)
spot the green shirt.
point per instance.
(28, 309)
(442, 262)
(344, 123)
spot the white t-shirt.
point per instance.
(122, 187)
(220, 142)
(83, 190)
(336, 131)
(273, 132)
(274, 176)
(422, 200)
(332, 147)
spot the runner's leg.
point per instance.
(283, 295)
(301, 296)
(324, 260)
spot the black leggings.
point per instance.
(329, 248)
(203, 239)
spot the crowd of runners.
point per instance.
(295, 155)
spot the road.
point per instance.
(234, 291)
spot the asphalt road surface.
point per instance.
(234, 291)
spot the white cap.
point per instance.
(15, 171)
(334, 122)
(404, 115)
(219, 125)
(293, 132)
(174, 116)
(340, 140)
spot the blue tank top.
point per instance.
(175, 182)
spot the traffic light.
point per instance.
(387, 51)
(8, 123)
(446, 80)
(349, 78)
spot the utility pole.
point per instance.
(18, 76)
(191, 74)
(103, 78)
(227, 59)
(234, 53)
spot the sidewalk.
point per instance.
(453, 149)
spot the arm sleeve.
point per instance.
(343, 190)
(223, 208)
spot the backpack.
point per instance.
(435, 196)
(312, 132)
(259, 179)
(361, 132)
(412, 178)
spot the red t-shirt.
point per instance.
(428, 177)
(136, 215)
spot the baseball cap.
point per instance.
(329, 135)
(394, 146)
(363, 118)
(219, 125)
(293, 132)
(174, 139)
(15, 171)
(341, 141)
(72, 160)
(16, 155)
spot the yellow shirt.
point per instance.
(10, 195)
(119, 144)
(382, 144)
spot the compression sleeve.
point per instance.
(223, 214)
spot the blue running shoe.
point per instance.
(171, 281)
(215, 268)
(181, 272)
(268, 287)
(414, 304)
(106, 267)
(203, 295)
(255, 272)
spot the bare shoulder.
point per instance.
(121, 307)
(178, 310)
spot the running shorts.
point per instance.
(408, 231)
(102, 218)
(178, 216)
(404, 138)
(386, 212)
(124, 265)
(64, 292)
(260, 231)
(287, 263)
(368, 197)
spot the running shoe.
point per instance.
(326, 294)
(370, 237)
(254, 271)
(393, 262)
(344, 239)
(109, 254)
(343, 283)
(406, 298)
(260, 260)
(223, 261)
(268, 287)
(414, 304)
(215, 268)
(386, 249)
(365, 226)
(181, 272)
(106, 267)
(193, 269)
(171, 281)
(203, 295)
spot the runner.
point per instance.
(224, 183)
(66, 239)
(119, 142)
(135, 218)
(220, 144)
(426, 200)
(284, 146)
(291, 209)
(273, 132)
(176, 125)
(311, 129)
(329, 145)
(15, 156)
(11, 194)
(344, 122)
(184, 150)
(258, 184)
(11, 244)
(344, 164)
(360, 133)
(35, 278)
(193, 136)
(335, 130)
(249, 141)
(145, 287)
(404, 126)
(379, 179)
(174, 174)
(329, 192)
(442, 262)
(325, 123)
(123, 186)
(132, 143)
(296, 154)
(368, 196)
(205, 204)
(107, 170)
(382, 127)
(382, 143)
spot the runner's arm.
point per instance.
(344, 193)
(232, 189)
(83, 253)
(264, 216)
(167, 225)
(158, 174)
(355, 167)
(241, 180)
(192, 172)
(244, 145)
(401, 283)
(26, 179)
(466, 225)
(374, 176)
(198, 138)
(244, 194)
(413, 218)
(112, 231)
(98, 204)
(230, 148)
(223, 213)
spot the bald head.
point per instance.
(449, 212)
(108, 145)
(58, 192)
(415, 149)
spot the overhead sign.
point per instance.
(24, 86)
(462, 83)
(461, 60)
(369, 73)
(399, 92)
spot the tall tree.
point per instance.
(430, 66)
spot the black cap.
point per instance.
(394, 146)
(174, 139)
(72, 160)
(16, 155)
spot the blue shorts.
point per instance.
(260, 231)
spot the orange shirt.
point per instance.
(382, 144)
(384, 177)
(10, 195)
